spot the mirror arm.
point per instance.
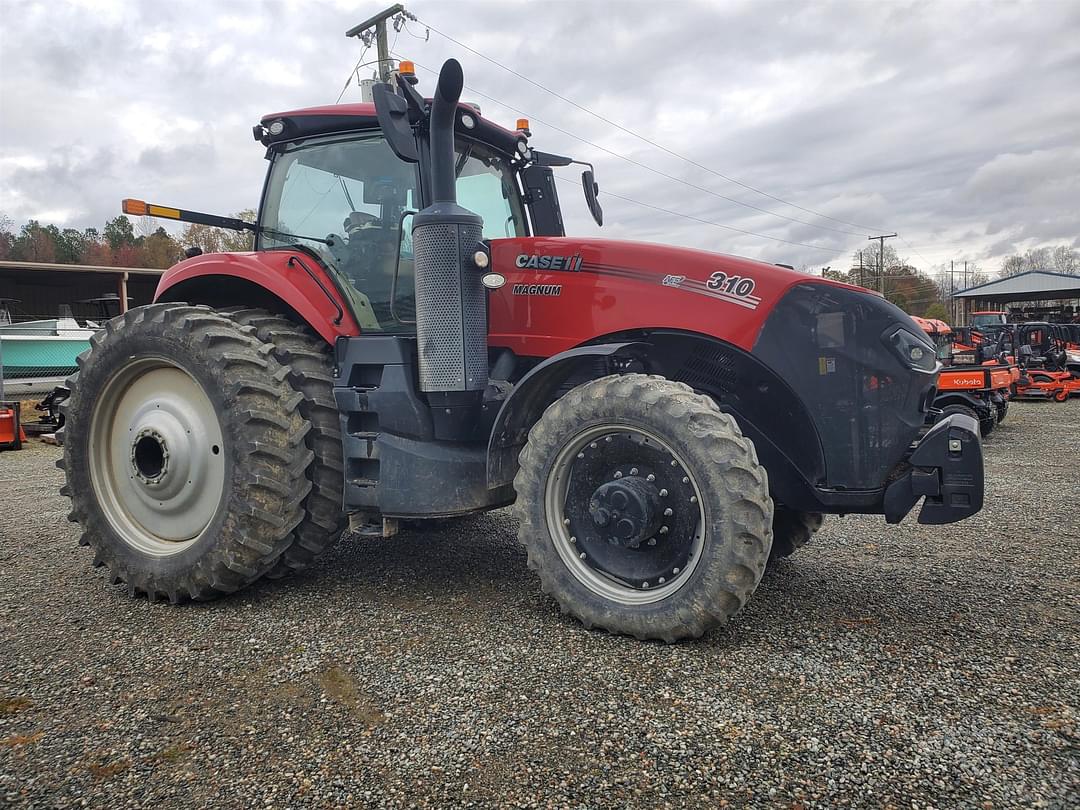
(397, 267)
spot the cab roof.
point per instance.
(309, 122)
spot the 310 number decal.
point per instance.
(739, 286)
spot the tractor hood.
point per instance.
(853, 368)
(658, 286)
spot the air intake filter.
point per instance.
(451, 304)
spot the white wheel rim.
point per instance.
(157, 459)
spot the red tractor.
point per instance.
(415, 337)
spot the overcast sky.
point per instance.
(955, 124)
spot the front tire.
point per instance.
(643, 508)
(184, 453)
(792, 530)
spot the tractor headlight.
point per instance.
(915, 353)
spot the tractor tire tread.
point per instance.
(792, 530)
(310, 372)
(263, 507)
(733, 484)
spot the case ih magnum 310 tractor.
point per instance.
(414, 337)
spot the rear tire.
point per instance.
(792, 530)
(636, 426)
(184, 453)
(311, 373)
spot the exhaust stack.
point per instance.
(451, 304)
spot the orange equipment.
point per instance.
(12, 435)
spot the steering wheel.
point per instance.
(360, 221)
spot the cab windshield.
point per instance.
(348, 198)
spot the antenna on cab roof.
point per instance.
(373, 30)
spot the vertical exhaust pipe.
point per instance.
(451, 304)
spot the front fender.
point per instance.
(293, 277)
(532, 394)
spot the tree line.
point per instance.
(1060, 259)
(120, 243)
(904, 285)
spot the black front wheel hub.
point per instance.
(626, 510)
(631, 510)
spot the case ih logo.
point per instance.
(534, 262)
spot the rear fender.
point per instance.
(292, 282)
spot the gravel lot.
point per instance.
(907, 666)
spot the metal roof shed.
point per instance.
(1034, 285)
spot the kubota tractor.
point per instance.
(414, 337)
(980, 391)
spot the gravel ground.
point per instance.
(879, 666)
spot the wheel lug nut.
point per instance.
(573, 539)
(618, 474)
(685, 480)
(662, 580)
(693, 499)
(581, 455)
(644, 584)
(668, 512)
(652, 541)
(663, 493)
(633, 470)
(674, 570)
(582, 555)
(593, 445)
(663, 530)
(674, 463)
(650, 477)
(607, 438)
(566, 521)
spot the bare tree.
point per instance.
(1013, 265)
(1066, 260)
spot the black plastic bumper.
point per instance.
(946, 469)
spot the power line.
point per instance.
(652, 207)
(352, 73)
(633, 162)
(640, 137)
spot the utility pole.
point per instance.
(962, 314)
(952, 289)
(881, 259)
(365, 34)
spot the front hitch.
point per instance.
(946, 469)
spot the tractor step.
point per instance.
(365, 525)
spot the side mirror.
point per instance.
(588, 183)
(392, 112)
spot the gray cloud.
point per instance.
(953, 124)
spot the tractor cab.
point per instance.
(336, 188)
(346, 181)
